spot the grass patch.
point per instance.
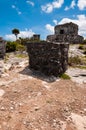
(6, 58)
(65, 76)
(21, 55)
(74, 60)
(81, 47)
(81, 67)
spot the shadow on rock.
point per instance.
(39, 75)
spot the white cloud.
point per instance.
(72, 5)
(66, 8)
(13, 6)
(50, 28)
(10, 37)
(48, 8)
(30, 2)
(80, 21)
(57, 3)
(26, 33)
(55, 21)
(18, 11)
(81, 4)
(23, 34)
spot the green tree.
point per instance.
(15, 32)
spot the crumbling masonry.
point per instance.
(51, 56)
(66, 33)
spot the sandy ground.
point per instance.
(30, 101)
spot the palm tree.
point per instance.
(15, 32)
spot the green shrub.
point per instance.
(14, 46)
(11, 46)
(21, 55)
(20, 47)
(64, 76)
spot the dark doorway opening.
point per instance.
(61, 31)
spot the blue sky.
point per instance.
(40, 16)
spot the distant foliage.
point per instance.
(23, 40)
(14, 46)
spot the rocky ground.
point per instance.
(32, 101)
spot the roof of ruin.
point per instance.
(67, 24)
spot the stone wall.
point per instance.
(36, 37)
(66, 33)
(49, 58)
(2, 48)
(65, 38)
(67, 28)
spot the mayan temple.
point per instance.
(67, 32)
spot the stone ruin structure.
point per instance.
(2, 48)
(51, 56)
(36, 37)
(66, 33)
(47, 57)
(2, 54)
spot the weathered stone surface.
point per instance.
(66, 33)
(67, 28)
(36, 37)
(2, 48)
(49, 58)
(1, 67)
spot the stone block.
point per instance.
(49, 58)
